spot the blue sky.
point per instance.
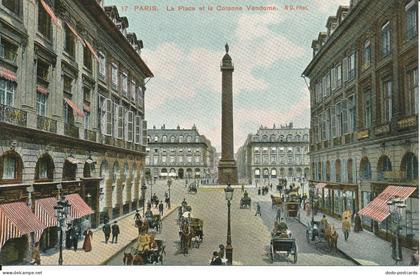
(270, 50)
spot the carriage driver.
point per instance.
(282, 225)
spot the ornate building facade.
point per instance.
(274, 153)
(179, 153)
(72, 86)
(364, 109)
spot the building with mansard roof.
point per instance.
(179, 153)
(273, 153)
(363, 82)
(72, 87)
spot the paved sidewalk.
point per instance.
(101, 252)
(363, 247)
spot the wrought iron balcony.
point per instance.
(46, 124)
(71, 130)
(13, 116)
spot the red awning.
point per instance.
(74, 107)
(320, 185)
(79, 207)
(44, 211)
(16, 220)
(92, 50)
(73, 30)
(42, 90)
(378, 208)
(50, 12)
(7, 74)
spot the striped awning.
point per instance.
(42, 90)
(320, 185)
(378, 208)
(7, 74)
(50, 12)
(74, 107)
(44, 211)
(78, 208)
(16, 220)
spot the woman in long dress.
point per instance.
(87, 244)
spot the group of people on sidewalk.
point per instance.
(108, 229)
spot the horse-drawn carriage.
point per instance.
(245, 201)
(147, 251)
(319, 232)
(190, 234)
(154, 221)
(192, 188)
(276, 201)
(283, 246)
(292, 202)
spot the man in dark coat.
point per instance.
(107, 231)
(75, 238)
(216, 260)
(115, 232)
(69, 234)
(161, 208)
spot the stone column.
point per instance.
(227, 165)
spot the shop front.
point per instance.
(333, 199)
(377, 218)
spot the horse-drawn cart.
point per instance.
(276, 201)
(283, 246)
(197, 226)
(148, 250)
(318, 232)
(192, 188)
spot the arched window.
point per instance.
(197, 139)
(281, 138)
(164, 139)
(115, 172)
(189, 138)
(365, 169)
(350, 170)
(289, 138)
(69, 169)
(265, 138)
(297, 138)
(273, 173)
(338, 170)
(44, 168)
(290, 172)
(265, 173)
(156, 139)
(172, 139)
(273, 138)
(409, 166)
(384, 166)
(148, 139)
(126, 169)
(11, 167)
(181, 139)
(305, 137)
(257, 173)
(86, 170)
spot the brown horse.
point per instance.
(128, 258)
(331, 236)
(138, 260)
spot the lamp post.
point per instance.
(61, 211)
(143, 193)
(312, 195)
(396, 208)
(229, 249)
(169, 191)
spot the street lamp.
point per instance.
(396, 209)
(169, 191)
(312, 195)
(61, 210)
(143, 193)
(229, 249)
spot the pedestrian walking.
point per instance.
(137, 216)
(161, 208)
(357, 223)
(69, 234)
(258, 212)
(107, 231)
(75, 238)
(36, 256)
(346, 228)
(259, 191)
(278, 215)
(242, 188)
(115, 229)
(87, 243)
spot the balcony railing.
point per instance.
(90, 135)
(363, 134)
(46, 124)
(407, 122)
(71, 130)
(381, 130)
(13, 116)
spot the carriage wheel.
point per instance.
(271, 253)
(295, 256)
